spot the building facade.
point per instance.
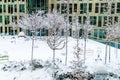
(33, 5)
(96, 10)
(11, 10)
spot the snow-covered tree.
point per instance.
(66, 31)
(55, 23)
(110, 29)
(14, 27)
(77, 56)
(78, 68)
(32, 22)
(112, 33)
(87, 28)
(76, 28)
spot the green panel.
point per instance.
(0, 8)
(33, 5)
(99, 21)
(95, 33)
(7, 19)
(22, 8)
(85, 7)
(0, 19)
(4, 7)
(101, 33)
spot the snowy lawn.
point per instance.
(19, 49)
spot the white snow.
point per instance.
(19, 49)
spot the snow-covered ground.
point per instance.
(19, 49)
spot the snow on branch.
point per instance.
(87, 27)
(56, 23)
(32, 21)
(113, 32)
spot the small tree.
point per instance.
(109, 27)
(111, 34)
(14, 27)
(66, 31)
(76, 28)
(55, 23)
(87, 27)
(32, 22)
(78, 67)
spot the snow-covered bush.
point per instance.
(75, 76)
(77, 70)
(36, 64)
(21, 66)
(17, 66)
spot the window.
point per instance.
(85, 7)
(70, 8)
(10, 8)
(7, 21)
(75, 7)
(99, 21)
(5, 1)
(4, 7)
(1, 29)
(115, 19)
(22, 8)
(90, 7)
(81, 8)
(0, 8)
(70, 19)
(93, 20)
(113, 8)
(0, 19)
(96, 7)
(101, 33)
(15, 8)
(102, 9)
(58, 6)
(95, 33)
(5, 29)
(80, 19)
(118, 7)
(12, 0)
(52, 7)
(84, 19)
(63, 8)
(105, 20)
(14, 18)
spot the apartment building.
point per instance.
(96, 10)
(11, 10)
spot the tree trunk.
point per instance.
(116, 46)
(109, 53)
(40, 33)
(53, 57)
(66, 56)
(106, 52)
(14, 32)
(32, 50)
(53, 75)
(84, 51)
